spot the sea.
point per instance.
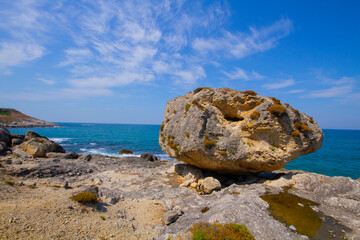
(339, 155)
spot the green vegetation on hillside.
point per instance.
(4, 111)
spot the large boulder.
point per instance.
(39, 147)
(236, 132)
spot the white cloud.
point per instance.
(241, 74)
(108, 43)
(76, 56)
(278, 85)
(340, 91)
(241, 45)
(46, 81)
(15, 53)
(296, 91)
(190, 76)
(60, 94)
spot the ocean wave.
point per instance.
(92, 144)
(102, 151)
(60, 140)
(105, 153)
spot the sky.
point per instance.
(110, 61)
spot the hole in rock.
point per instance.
(234, 118)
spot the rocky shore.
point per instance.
(146, 198)
(11, 118)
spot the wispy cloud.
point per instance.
(241, 74)
(16, 53)
(46, 81)
(344, 88)
(332, 92)
(59, 94)
(241, 45)
(23, 22)
(278, 85)
(296, 91)
(116, 43)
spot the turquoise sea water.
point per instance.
(339, 155)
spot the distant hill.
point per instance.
(12, 118)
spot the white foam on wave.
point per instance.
(105, 153)
(92, 144)
(101, 152)
(60, 140)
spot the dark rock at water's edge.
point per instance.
(236, 132)
(125, 151)
(149, 157)
(12, 118)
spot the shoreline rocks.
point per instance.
(146, 198)
(236, 132)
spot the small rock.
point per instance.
(149, 157)
(114, 199)
(170, 217)
(18, 162)
(8, 161)
(292, 227)
(16, 141)
(85, 157)
(210, 184)
(125, 151)
(97, 181)
(66, 185)
(194, 185)
(187, 183)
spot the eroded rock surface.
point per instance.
(237, 132)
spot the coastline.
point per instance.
(148, 198)
(339, 155)
(135, 193)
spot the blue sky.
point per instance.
(120, 61)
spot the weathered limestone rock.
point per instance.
(59, 155)
(170, 217)
(38, 147)
(210, 184)
(236, 132)
(30, 134)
